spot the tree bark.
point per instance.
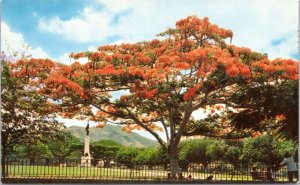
(106, 163)
(32, 160)
(4, 154)
(174, 167)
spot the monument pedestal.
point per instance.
(86, 161)
(86, 158)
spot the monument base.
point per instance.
(86, 161)
(86, 158)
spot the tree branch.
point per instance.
(186, 117)
(137, 121)
(165, 128)
(172, 125)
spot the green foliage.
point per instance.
(287, 147)
(67, 147)
(287, 103)
(216, 150)
(266, 150)
(33, 152)
(105, 150)
(126, 156)
(232, 155)
(195, 151)
(268, 101)
(205, 151)
(107, 142)
(151, 156)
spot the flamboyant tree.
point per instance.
(164, 83)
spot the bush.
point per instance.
(105, 150)
(195, 151)
(126, 156)
(151, 156)
(266, 150)
(217, 150)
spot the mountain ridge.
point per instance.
(114, 133)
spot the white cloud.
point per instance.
(255, 23)
(284, 48)
(13, 43)
(199, 114)
(89, 26)
(75, 122)
(116, 6)
(10, 40)
(92, 48)
(38, 53)
(123, 41)
(65, 59)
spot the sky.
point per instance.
(55, 28)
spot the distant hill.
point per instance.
(114, 133)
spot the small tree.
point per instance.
(66, 146)
(151, 157)
(105, 150)
(233, 154)
(288, 147)
(217, 150)
(126, 156)
(196, 151)
(35, 152)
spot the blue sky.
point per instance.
(55, 28)
(23, 17)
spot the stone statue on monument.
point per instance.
(87, 129)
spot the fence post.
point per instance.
(14, 165)
(22, 164)
(29, 169)
(6, 167)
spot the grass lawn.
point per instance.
(82, 172)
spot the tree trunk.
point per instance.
(4, 155)
(47, 162)
(106, 163)
(174, 167)
(3, 161)
(31, 160)
(95, 162)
